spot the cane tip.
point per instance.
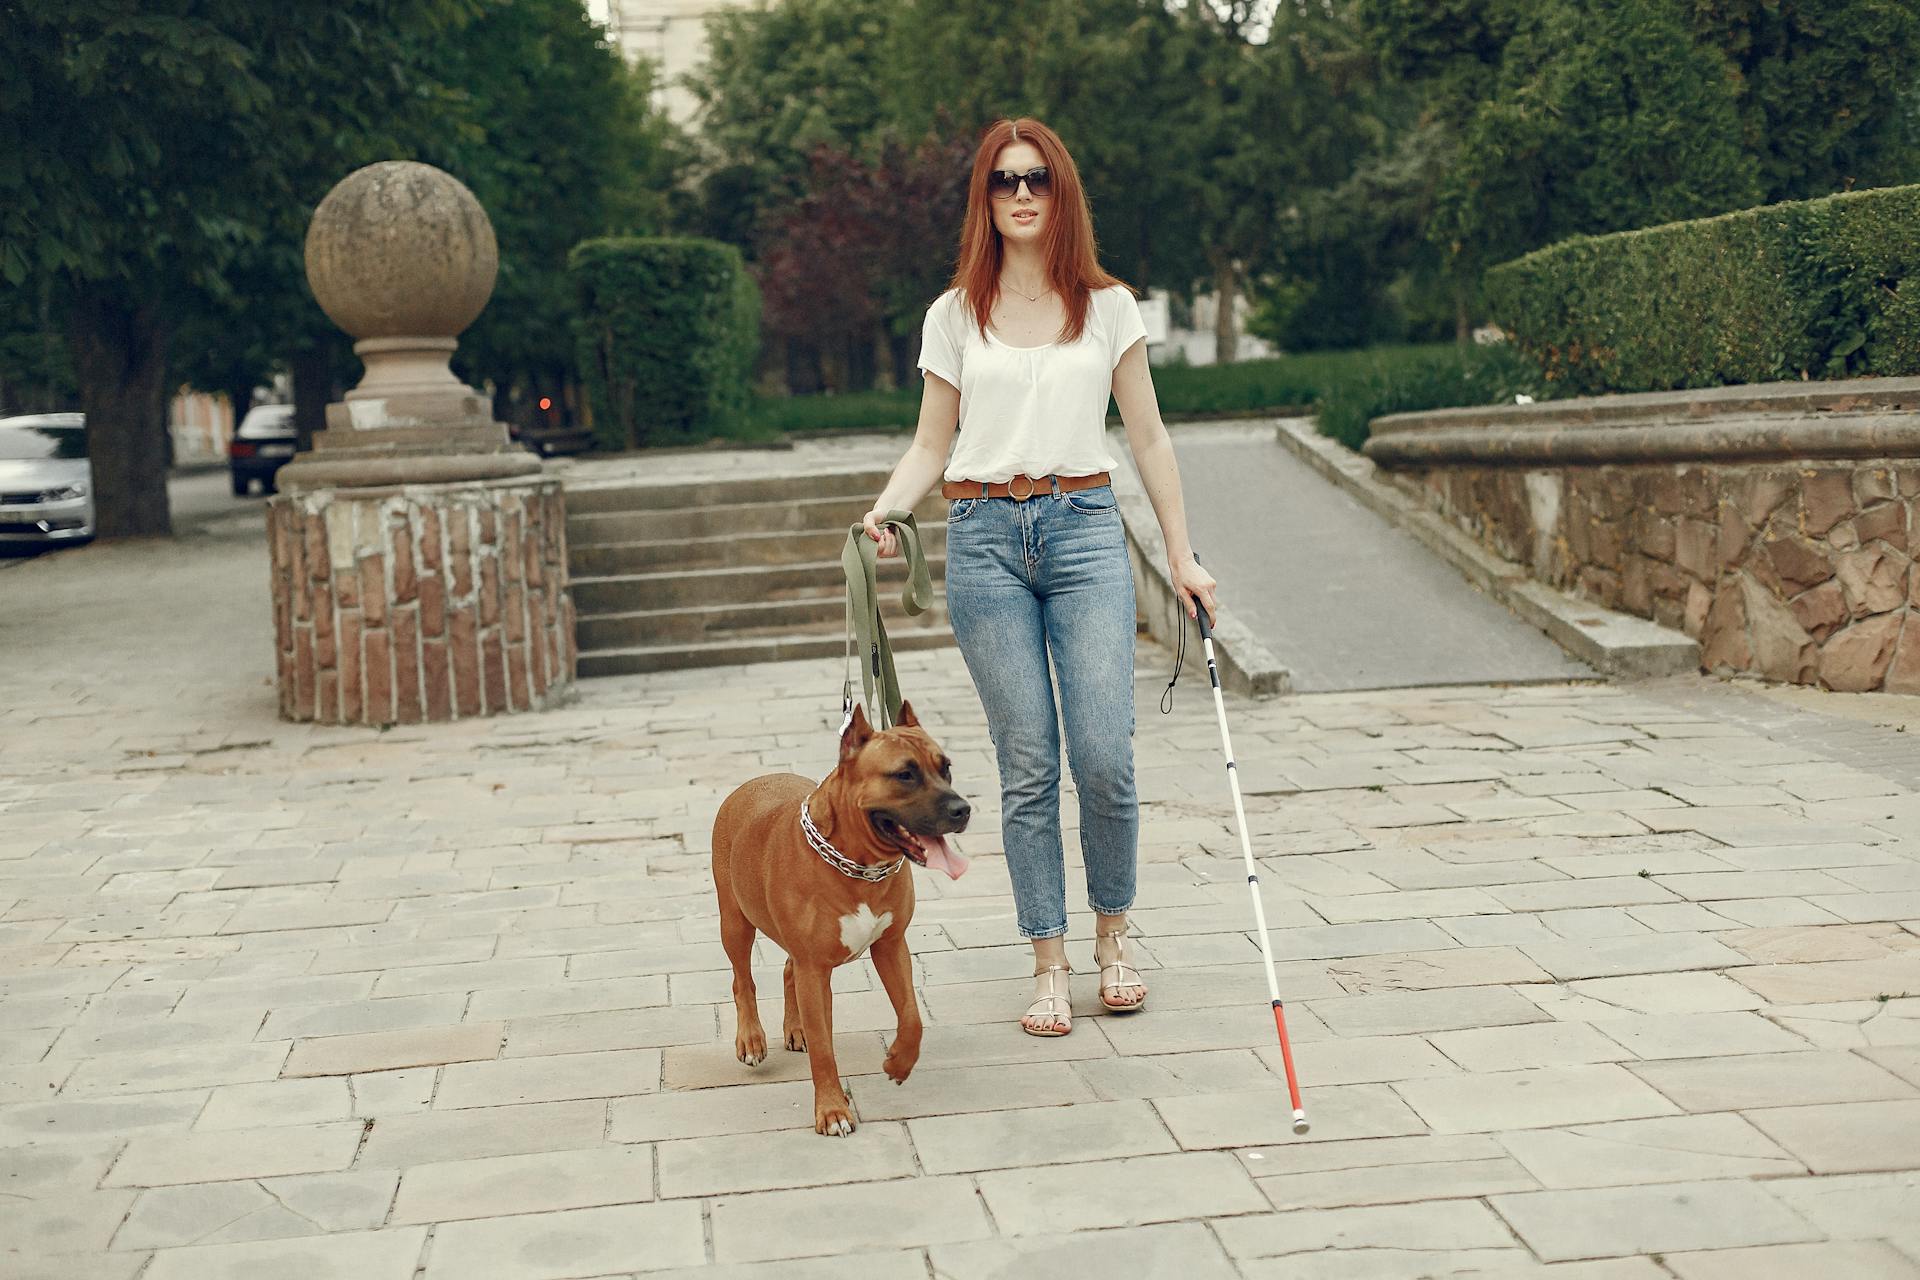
(1300, 1124)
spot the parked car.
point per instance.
(46, 480)
(262, 445)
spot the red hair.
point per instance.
(1072, 261)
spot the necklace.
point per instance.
(1030, 297)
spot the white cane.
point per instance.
(1253, 873)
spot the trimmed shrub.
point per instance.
(667, 331)
(1823, 288)
(1369, 384)
(1346, 388)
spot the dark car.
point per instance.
(262, 445)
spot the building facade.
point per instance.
(671, 34)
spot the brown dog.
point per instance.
(889, 801)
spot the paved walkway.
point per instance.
(1343, 599)
(1588, 981)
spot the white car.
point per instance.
(46, 480)
(263, 444)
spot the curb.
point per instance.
(1247, 667)
(1617, 644)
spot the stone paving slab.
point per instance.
(1610, 1221)
(389, 1254)
(568, 1243)
(304, 1001)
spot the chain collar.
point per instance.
(873, 873)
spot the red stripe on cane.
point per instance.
(1286, 1054)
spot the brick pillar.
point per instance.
(421, 603)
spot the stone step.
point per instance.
(789, 515)
(754, 584)
(813, 616)
(640, 659)
(727, 550)
(657, 496)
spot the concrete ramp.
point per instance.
(1344, 599)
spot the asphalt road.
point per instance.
(1342, 598)
(203, 506)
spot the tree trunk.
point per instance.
(859, 363)
(803, 367)
(120, 360)
(1462, 320)
(834, 370)
(882, 358)
(240, 398)
(905, 349)
(1226, 334)
(312, 388)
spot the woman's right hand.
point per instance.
(889, 541)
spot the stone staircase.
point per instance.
(717, 571)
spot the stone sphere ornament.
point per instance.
(402, 257)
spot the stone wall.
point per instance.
(427, 602)
(1801, 574)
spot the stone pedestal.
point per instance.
(419, 557)
(428, 602)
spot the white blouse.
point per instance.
(1034, 411)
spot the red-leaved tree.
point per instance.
(849, 267)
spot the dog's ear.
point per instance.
(907, 719)
(856, 735)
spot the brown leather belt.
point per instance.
(1020, 488)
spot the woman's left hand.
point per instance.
(1192, 583)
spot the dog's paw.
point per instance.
(751, 1050)
(899, 1065)
(833, 1121)
(797, 1040)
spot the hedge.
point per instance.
(1346, 389)
(1822, 288)
(667, 332)
(1372, 383)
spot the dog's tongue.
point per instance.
(942, 856)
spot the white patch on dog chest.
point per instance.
(858, 929)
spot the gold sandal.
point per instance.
(1119, 969)
(1059, 1006)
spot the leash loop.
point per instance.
(859, 559)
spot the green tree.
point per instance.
(1605, 116)
(1824, 88)
(36, 371)
(1555, 117)
(778, 83)
(558, 140)
(543, 120)
(1278, 119)
(1116, 80)
(144, 144)
(1112, 76)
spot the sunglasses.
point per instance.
(1004, 184)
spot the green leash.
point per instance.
(880, 685)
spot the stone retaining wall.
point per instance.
(1799, 574)
(1798, 570)
(422, 603)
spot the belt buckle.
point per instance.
(1020, 497)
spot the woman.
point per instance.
(1020, 355)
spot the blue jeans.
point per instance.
(1025, 580)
